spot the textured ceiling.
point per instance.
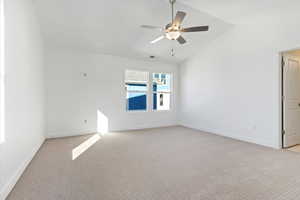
(113, 27)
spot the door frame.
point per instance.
(281, 126)
(281, 94)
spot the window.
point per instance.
(161, 91)
(136, 85)
(137, 90)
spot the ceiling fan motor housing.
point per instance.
(170, 27)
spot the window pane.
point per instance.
(136, 83)
(161, 101)
(136, 87)
(136, 101)
(161, 82)
(136, 76)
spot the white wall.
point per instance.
(73, 98)
(24, 92)
(232, 86)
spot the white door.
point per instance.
(291, 101)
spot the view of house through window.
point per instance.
(161, 91)
(136, 84)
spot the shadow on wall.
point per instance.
(102, 122)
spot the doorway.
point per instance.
(291, 99)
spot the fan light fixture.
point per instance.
(173, 35)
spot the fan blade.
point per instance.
(195, 29)
(157, 39)
(151, 27)
(179, 18)
(181, 40)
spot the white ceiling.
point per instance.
(233, 11)
(113, 27)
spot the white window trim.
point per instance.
(149, 92)
(171, 91)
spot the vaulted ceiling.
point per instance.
(235, 11)
(113, 27)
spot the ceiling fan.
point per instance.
(173, 30)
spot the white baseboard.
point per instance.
(145, 127)
(70, 133)
(259, 141)
(61, 134)
(14, 179)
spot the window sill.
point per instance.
(137, 111)
(148, 111)
(161, 110)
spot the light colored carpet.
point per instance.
(295, 148)
(172, 163)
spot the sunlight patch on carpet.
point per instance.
(76, 152)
